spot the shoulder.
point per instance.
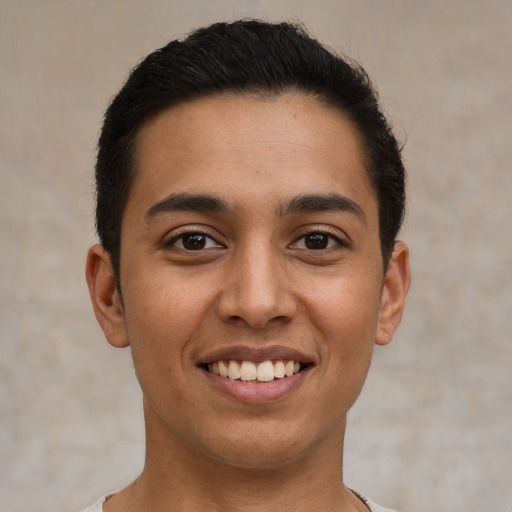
(98, 506)
(371, 505)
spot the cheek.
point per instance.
(161, 318)
(160, 324)
(163, 300)
(344, 305)
(345, 323)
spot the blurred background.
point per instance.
(433, 427)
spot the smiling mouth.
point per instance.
(248, 371)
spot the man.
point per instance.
(249, 195)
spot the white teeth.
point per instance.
(265, 371)
(233, 370)
(223, 369)
(279, 370)
(247, 370)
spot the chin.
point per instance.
(260, 447)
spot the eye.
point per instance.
(316, 241)
(193, 241)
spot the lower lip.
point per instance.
(256, 393)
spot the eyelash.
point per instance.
(207, 239)
(172, 243)
(338, 242)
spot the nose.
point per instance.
(257, 291)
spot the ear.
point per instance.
(394, 290)
(105, 296)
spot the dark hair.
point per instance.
(246, 57)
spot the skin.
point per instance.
(256, 284)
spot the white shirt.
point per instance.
(98, 506)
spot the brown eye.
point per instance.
(194, 241)
(316, 241)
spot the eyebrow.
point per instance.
(184, 202)
(206, 203)
(311, 203)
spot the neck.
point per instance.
(179, 478)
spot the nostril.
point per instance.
(259, 322)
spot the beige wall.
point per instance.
(433, 428)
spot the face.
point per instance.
(252, 277)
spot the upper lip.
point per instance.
(256, 354)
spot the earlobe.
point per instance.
(394, 292)
(105, 296)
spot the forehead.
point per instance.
(249, 147)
